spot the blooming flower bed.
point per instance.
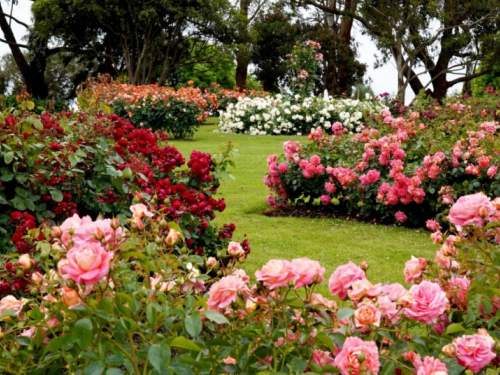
(109, 298)
(178, 112)
(405, 168)
(279, 114)
(56, 166)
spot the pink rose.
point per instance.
(388, 308)
(225, 291)
(414, 268)
(307, 271)
(283, 168)
(400, 217)
(229, 360)
(393, 291)
(348, 358)
(429, 302)
(343, 277)
(457, 289)
(492, 171)
(11, 303)
(235, 249)
(430, 366)
(140, 210)
(25, 262)
(322, 358)
(447, 199)
(276, 273)
(318, 299)
(474, 351)
(367, 315)
(359, 289)
(85, 230)
(87, 263)
(326, 199)
(211, 262)
(432, 225)
(471, 210)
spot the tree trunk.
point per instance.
(33, 74)
(242, 62)
(242, 53)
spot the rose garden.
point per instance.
(160, 230)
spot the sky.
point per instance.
(384, 79)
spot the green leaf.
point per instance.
(453, 328)
(344, 312)
(184, 343)
(82, 333)
(7, 174)
(388, 368)
(298, 364)
(74, 160)
(8, 157)
(114, 371)
(159, 356)
(117, 183)
(326, 340)
(95, 368)
(181, 369)
(193, 325)
(56, 195)
(216, 317)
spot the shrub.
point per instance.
(295, 115)
(225, 97)
(36, 105)
(405, 169)
(55, 166)
(144, 308)
(178, 112)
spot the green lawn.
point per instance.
(332, 242)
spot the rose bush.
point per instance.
(56, 165)
(405, 168)
(280, 114)
(152, 308)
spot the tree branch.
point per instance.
(15, 20)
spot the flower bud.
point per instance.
(115, 223)
(172, 237)
(363, 265)
(449, 350)
(137, 223)
(483, 212)
(25, 261)
(361, 357)
(99, 234)
(70, 297)
(56, 232)
(211, 262)
(19, 273)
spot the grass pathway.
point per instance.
(332, 242)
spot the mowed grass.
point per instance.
(332, 242)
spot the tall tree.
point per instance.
(274, 38)
(32, 69)
(465, 32)
(144, 40)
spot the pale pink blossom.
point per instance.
(87, 263)
(473, 351)
(414, 268)
(225, 291)
(367, 315)
(467, 210)
(430, 366)
(276, 273)
(307, 272)
(348, 359)
(430, 302)
(140, 210)
(343, 277)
